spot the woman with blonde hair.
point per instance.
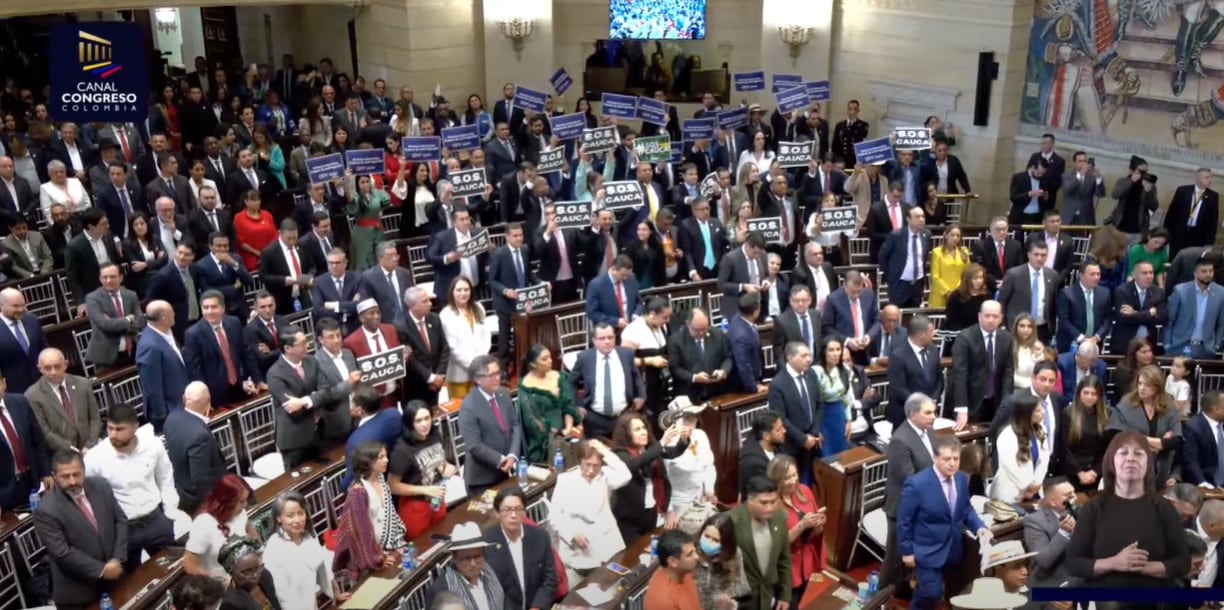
(948, 263)
(1027, 350)
(747, 186)
(1146, 409)
(737, 229)
(463, 322)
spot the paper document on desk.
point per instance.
(370, 594)
(594, 594)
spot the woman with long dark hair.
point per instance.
(834, 378)
(1023, 459)
(804, 522)
(223, 514)
(143, 253)
(1139, 353)
(417, 471)
(640, 505)
(965, 302)
(475, 114)
(546, 404)
(371, 532)
(721, 583)
(1082, 427)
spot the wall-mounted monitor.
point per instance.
(657, 19)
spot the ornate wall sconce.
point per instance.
(518, 30)
(795, 37)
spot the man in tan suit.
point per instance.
(64, 405)
(31, 254)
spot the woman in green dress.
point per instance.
(546, 401)
(365, 206)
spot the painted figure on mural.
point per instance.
(1071, 47)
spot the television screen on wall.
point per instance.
(657, 19)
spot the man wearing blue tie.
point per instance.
(703, 241)
(509, 272)
(903, 259)
(799, 323)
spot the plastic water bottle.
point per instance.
(410, 556)
(723, 325)
(435, 504)
(558, 460)
(34, 498)
(873, 582)
(654, 546)
(297, 305)
(522, 471)
(105, 603)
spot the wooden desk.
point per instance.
(843, 583)
(721, 426)
(621, 587)
(839, 488)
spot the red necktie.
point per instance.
(118, 305)
(67, 403)
(378, 343)
(10, 433)
(609, 251)
(85, 510)
(896, 219)
(620, 300)
(272, 329)
(424, 335)
(297, 267)
(231, 372)
(123, 143)
(501, 421)
(1002, 269)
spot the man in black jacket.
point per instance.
(768, 434)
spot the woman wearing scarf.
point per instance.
(371, 532)
(251, 586)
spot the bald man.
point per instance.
(195, 456)
(163, 373)
(21, 340)
(64, 405)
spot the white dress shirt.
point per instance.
(289, 254)
(338, 359)
(299, 570)
(515, 546)
(1013, 477)
(378, 347)
(142, 479)
(99, 249)
(922, 436)
(170, 341)
(619, 399)
(1207, 575)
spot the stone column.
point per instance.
(533, 63)
(421, 43)
(815, 57)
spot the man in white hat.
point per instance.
(374, 337)
(467, 574)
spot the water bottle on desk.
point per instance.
(873, 582)
(654, 547)
(34, 497)
(522, 471)
(410, 555)
(105, 603)
(435, 504)
(558, 461)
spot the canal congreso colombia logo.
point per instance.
(98, 72)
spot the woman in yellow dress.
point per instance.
(948, 261)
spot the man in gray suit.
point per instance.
(338, 374)
(489, 423)
(293, 382)
(81, 521)
(64, 405)
(1080, 190)
(1047, 532)
(1016, 291)
(29, 250)
(114, 320)
(909, 451)
(127, 138)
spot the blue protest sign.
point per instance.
(749, 81)
(322, 169)
(790, 100)
(733, 119)
(421, 148)
(697, 129)
(561, 81)
(651, 110)
(464, 137)
(365, 161)
(818, 91)
(677, 151)
(568, 126)
(620, 106)
(873, 151)
(785, 81)
(529, 99)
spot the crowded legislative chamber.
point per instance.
(409, 304)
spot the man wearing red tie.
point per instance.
(374, 337)
(612, 298)
(285, 272)
(886, 216)
(428, 353)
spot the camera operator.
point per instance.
(1047, 531)
(1136, 195)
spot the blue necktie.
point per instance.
(709, 246)
(1219, 476)
(803, 394)
(518, 270)
(701, 350)
(807, 330)
(1035, 305)
(607, 386)
(21, 336)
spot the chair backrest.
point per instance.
(572, 334)
(860, 251)
(743, 422)
(258, 422)
(1208, 382)
(167, 603)
(882, 392)
(305, 321)
(223, 431)
(875, 479)
(30, 546)
(417, 598)
(80, 340)
(253, 289)
(453, 439)
(334, 493)
(680, 306)
(128, 391)
(102, 395)
(42, 300)
(421, 270)
(11, 597)
(391, 223)
(539, 510)
(317, 509)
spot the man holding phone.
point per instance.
(1081, 188)
(1048, 530)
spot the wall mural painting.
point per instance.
(1149, 72)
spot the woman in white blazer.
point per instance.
(62, 189)
(463, 322)
(581, 511)
(1023, 458)
(758, 155)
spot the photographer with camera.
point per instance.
(1136, 195)
(1047, 531)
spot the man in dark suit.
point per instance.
(598, 245)
(336, 292)
(1080, 190)
(746, 364)
(798, 323)
(821, 177)
(148, 166)
(163, 372)
(506, 111)
(1202, 455)
(62, 230)
(885, 335)
(81, 520)
(194, 453)
(375, 423)
(1045, 375)
(86, 254)
(168, 227)
(501, 154)
(209, 217)
(794, 393)
(653, 193)
(443, 253)
(261, 336)
(699, 358)
(114, 320)
(338, 375)
(429, 354)
(703, 241)
(521, 554)
(220, 271)
(609, 382)
(945, 171)
(176, 284)
(286, 274)
(742, 272)
(217, 167)
(20, 342)
(1056, 166)
(613, 298)
(816, 273)
(509, 272)
(1031, 194)
(851, 311)
(532, 140)
(23, 454)
(246, 177)
(1085, 310)
(1140, 305)
(1057, 242)
(916, 368)
(1194, 214)
(997, 252)
(212, 351)
(909, 451)
(119, 198)
(1075, 365)
(489, 421)
(1048, 530)
(557, 250)
(320, 199)
(1016, 292)
(885, 217)
(387, 281)
(317, 243)
(169, 183)
(848, 132)
(294, 384)
(982, 365)
(903, 260)
(768, 436)
(17, 196)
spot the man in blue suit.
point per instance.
(595, 371)
(851, 311)
(335, 294)
(1202, 454)
(176, 284)
(1074, 366)
(915, 367)
(509, 272)
(220, 271)
(1196, 315)
(374, 424)
(612, 298)
(30, 464)
(213, 352)
(119, 199)
(934, 509)
(386, 283)
(1077, 322)
(163, 372)
(21, 341)
(746, 364)
(443, 253)
(903, 260)
(195, 455)
(794, 393)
